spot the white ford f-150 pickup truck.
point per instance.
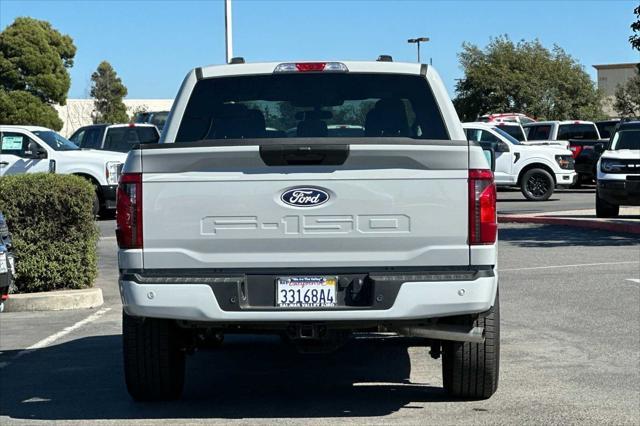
(33, 149)
(535, 169)
(232, 223)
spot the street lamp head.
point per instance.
(418, 40)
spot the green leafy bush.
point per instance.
(54, 233)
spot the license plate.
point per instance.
(306, 292)
(633, 186)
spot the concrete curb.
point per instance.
(54, 300)
(629, 228)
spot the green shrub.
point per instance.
(54, 233)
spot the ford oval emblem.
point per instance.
(304, 197)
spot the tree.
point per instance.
(627, 98)
(524, 77)
(635, 27)
(34, 59)
(108, 91)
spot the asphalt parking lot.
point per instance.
(570, 353)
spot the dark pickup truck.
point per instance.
(586, 153)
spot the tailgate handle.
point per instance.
(304, 155)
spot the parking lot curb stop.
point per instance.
(55, 300)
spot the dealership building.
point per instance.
(610, 76)
(80, 112)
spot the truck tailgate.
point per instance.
(216, 207)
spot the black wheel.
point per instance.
(471, 370)
(605, 209)
(154, 362)
(537, 185)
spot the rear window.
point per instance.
(122, 139)
(577, 131)
(514, 131)
(312, 106)
(538, 133)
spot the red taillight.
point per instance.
(129, 211)
(310, 66)
(575, 150)
(483, 224)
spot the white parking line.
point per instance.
(577, 265)
(634, 280)
(49, 340)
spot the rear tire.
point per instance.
(154, 362)
(605, 209)
(537, 185)
(471, 370)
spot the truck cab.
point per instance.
(559, 132)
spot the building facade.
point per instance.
(610, 76)
(80, 112)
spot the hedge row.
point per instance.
(53, 229)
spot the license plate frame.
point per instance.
(306, 292)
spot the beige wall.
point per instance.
(609, 77)
(78, 112)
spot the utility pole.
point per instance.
(417, 41)
(228, 30)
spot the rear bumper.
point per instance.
(414, 300)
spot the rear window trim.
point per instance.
(399, 141)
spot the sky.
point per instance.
(152, 44)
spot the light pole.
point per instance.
(228, 33)
(417, 41)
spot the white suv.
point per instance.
(536, 169)
(619, 171)
(32, 149)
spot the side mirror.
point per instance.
(599, 147)
(34, 151)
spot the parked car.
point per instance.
(586, 154)
(7, 262)
(114, 137)
(311, 237)
(157, 118)
(560, 132)
(506, 117)
(619, 171)
(535, 169)
(32, 149)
